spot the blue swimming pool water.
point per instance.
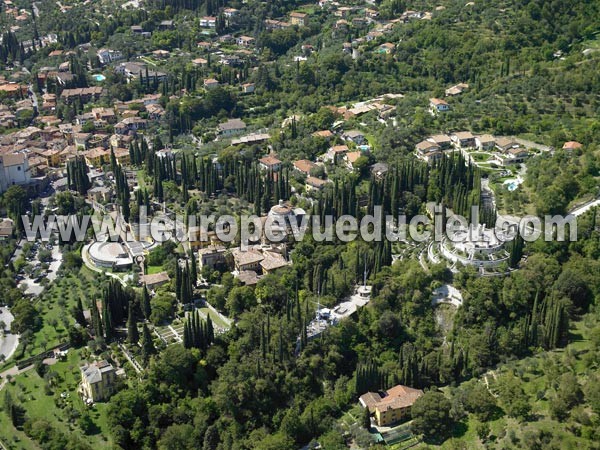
(99, 77)
(511, 185)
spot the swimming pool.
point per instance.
(99, 77)
(511, 185)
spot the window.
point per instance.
(19, 168)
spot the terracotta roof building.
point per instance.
(247, 260)
(572, 145)
(442, 140)
(272, 261)
(269, 162)
(323, 134)
(315, 184)
(392, 405)
(485, 142)
(437, 105)
(299, 18)
(351, 158)
(232, 126)
(155, 280)
(304, 166)
(248, 277)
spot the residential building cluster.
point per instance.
(501, 150)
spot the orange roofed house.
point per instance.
(572, 145)
(269, 162)
(12, 89)
(437, 105)
(392, 405)
(323, 134)
(304, 166)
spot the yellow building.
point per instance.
(298, 18)
(97, 156)
(53, 158)
(200, 238)
(98, 381)
(314, 184)
(122, 156)
(392, 405)
(6, 229)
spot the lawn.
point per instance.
(13, 438)
(55, 305)
(149, 60)
(480, 156)
(308, 9)
(214, 317)
(61, 413)
(372, 140)
(519, 201)
(154, 269)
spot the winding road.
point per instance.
(578, 211)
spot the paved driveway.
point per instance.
(31, 287)
(8, 341)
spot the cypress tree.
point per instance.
(146, 308)
(132, 332)
(96, 321)
(298, 312)
(193, 330)
(193, 269)
(78, 313)
(189, 285)
(263, 342)
(113, 160)
(280, 342)
(366, 419)
(8, 401)
(107, 321)
(186, 334)
(132, 154)
(210, 332)
(203, 334)
(533, 327)
(516, 251)
(148, 348)
(199, 332)
(178, 281)
(303, 335)
(268, 333)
